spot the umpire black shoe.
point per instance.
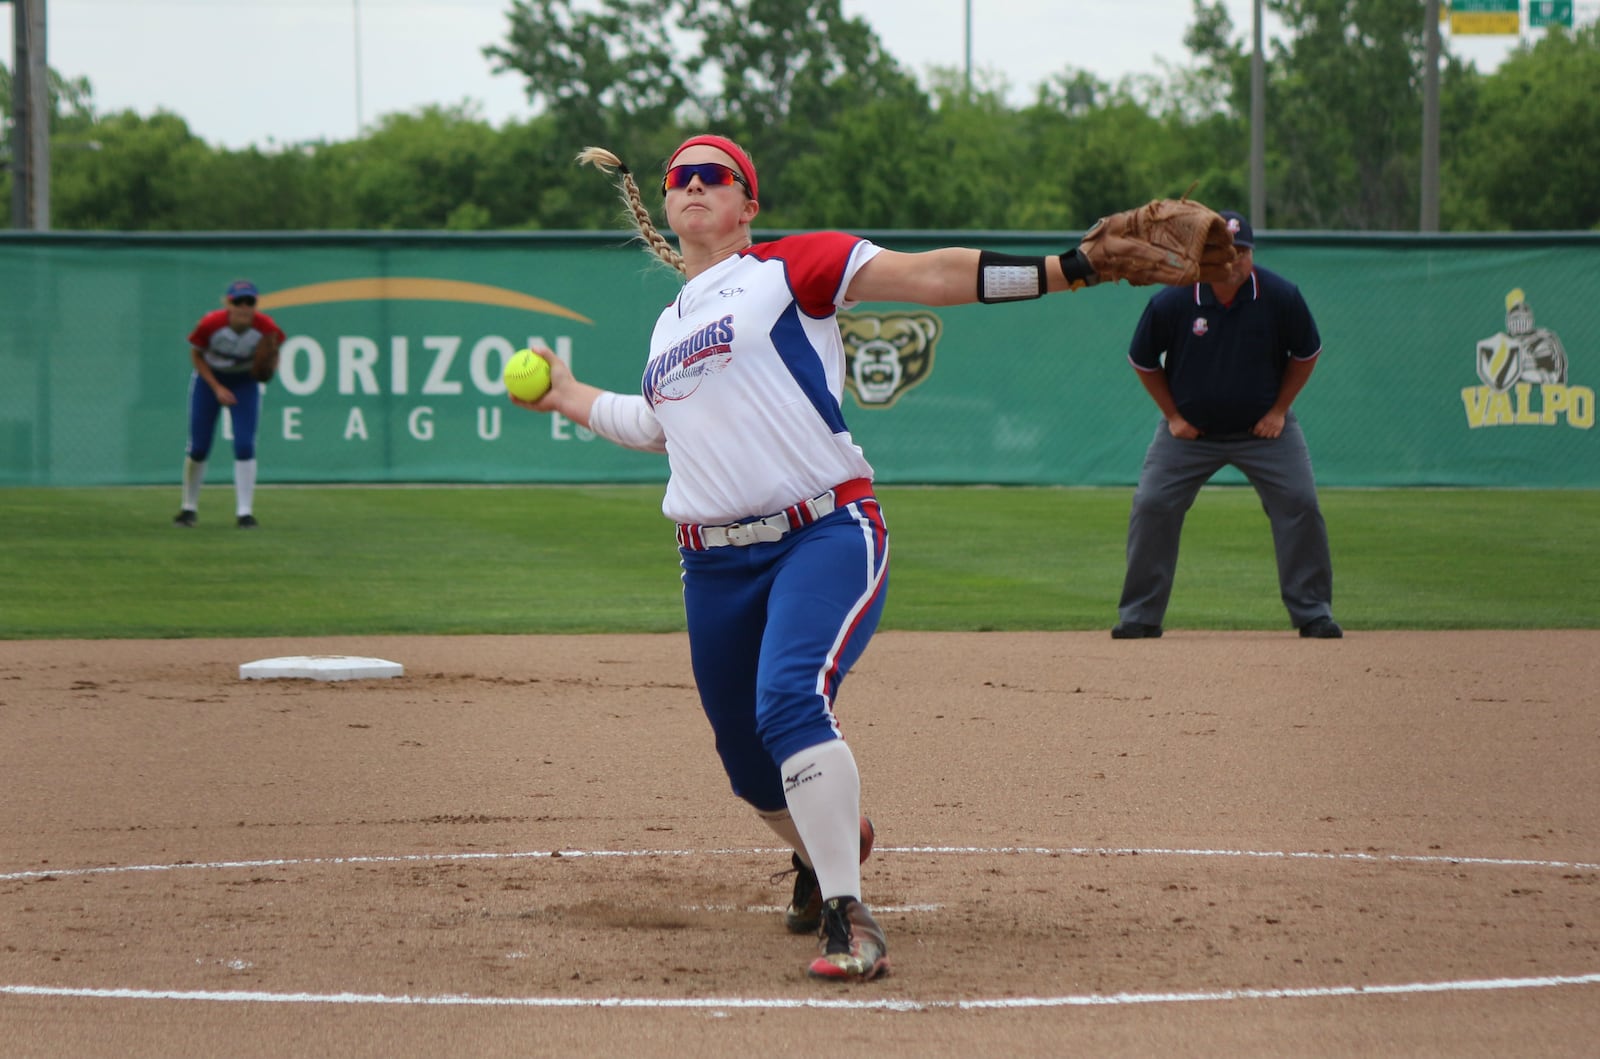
(1135, 630)
(1321, 629)
(186, 519)
(248, 522)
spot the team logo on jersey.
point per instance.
(1524, 374)
(886, 354)
(678, 372)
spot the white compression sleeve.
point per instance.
(823, 789)
(244, 486)
(628, 420)
(194, 474)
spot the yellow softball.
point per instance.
(527, 375)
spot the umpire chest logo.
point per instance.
(1200, 326)
(886, 354)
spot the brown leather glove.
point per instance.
(264, 365)
(1173, 241)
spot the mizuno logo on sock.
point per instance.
(803, 775)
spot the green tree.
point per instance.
(1529, 158)
(1344, 115)
(71, 122)
(783, 72)
(608, 76)
(421, 170)
(136, 180)
(773, 74)
(898, 161)
(529, 180)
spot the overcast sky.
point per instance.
(285, 71)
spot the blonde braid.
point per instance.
(655, 243)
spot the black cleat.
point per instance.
(804, 914)
(186, 519)
(248, 522)
(1321, 629)
(1135, 630)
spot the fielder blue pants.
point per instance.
(204, 408)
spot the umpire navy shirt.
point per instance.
(1224, 363)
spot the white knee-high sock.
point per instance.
(244, 485)
(194, 475)
(823, 790)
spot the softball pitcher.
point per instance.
(782, 543)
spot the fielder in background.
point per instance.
(781, 540)
(1224, 362)
(234, 351)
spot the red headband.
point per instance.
(747, 168)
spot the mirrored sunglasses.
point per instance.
(248, 299)
(711, 174)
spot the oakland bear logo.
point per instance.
(885, 354)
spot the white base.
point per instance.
(320, 667)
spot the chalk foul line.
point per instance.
(781, 1003)
(1048, 851)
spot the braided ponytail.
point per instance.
(655, 243)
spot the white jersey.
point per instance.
(746, 374)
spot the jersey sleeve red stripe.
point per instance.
(814, 264)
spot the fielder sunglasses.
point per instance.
(711, 174)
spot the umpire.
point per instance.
(1236, 354)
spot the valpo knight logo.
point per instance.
(887, 354)
(1523, 370)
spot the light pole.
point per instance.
(355, 6)
(1430, 121)
(30, 113)
(1258, 128)
(969, 49)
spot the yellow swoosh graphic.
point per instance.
(407, 288)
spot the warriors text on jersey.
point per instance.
(746, 374)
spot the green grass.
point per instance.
(106, 563)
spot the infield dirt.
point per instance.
(1209, 844)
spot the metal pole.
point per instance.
(1258, 128)
(360, 122)
(30, 112)
(969, 49)
(19, 115)
(1430, 121)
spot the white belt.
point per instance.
(773, 527)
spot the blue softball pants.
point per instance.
(204, 408)
(773, 629)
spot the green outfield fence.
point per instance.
(1449, 360)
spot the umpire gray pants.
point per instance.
(1279, 469)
